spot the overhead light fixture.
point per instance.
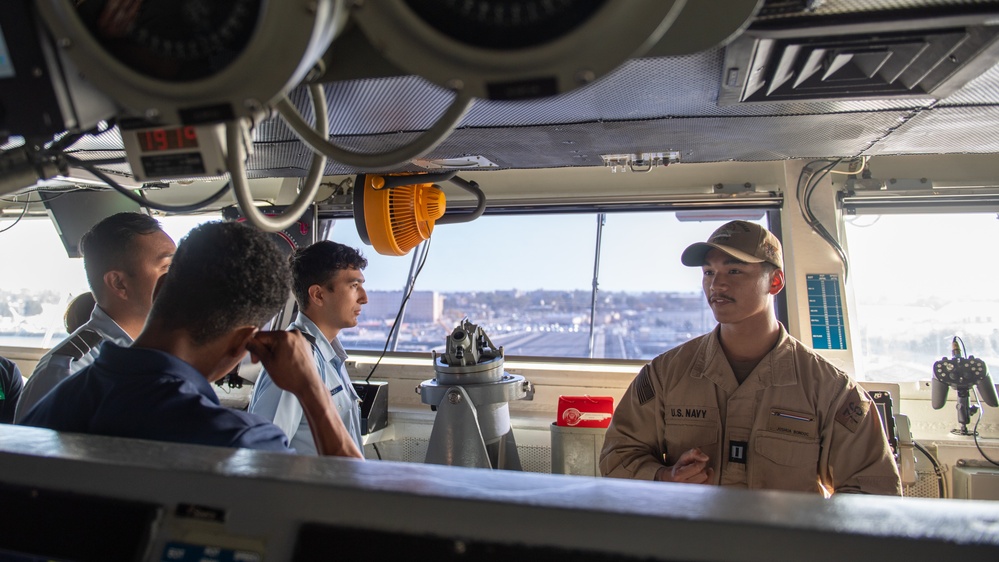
(639, 162)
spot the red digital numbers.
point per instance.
(155, 140)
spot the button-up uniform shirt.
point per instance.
(70, 356)
(796, 423)
(282, 407)
(149, 394)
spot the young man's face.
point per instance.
(343, 298)
(152, 256)
(736, 290)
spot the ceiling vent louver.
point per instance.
(917, 63)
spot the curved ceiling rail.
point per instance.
(237, 172)
(318, 140)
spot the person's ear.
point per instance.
(776, 281)
(232, 352)
(115, 282)
(316, 296)
(236, 345)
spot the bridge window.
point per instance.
(38, 279)
(920, 280)
(528, 281)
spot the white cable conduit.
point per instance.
(237, 172)
(384, 161)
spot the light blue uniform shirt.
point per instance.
(55, 366)
(283, 408)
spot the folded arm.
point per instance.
(287, 356)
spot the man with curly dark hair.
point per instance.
(227, 279)
(329, 289)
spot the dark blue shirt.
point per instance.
(10, 389)
(147, 394)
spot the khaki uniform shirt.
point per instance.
(795, 423)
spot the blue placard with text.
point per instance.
(184, 552)
(825, 310)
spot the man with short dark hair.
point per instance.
(227, 279)
(123, 255)
(747, 405)
(329, 289)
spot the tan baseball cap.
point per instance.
(745, 241)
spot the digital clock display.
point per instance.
(157, 140)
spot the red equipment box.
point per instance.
(585, 411)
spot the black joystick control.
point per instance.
(962, 374)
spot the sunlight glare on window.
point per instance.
(919, 281)
(40, 279)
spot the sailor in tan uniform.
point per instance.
(747, 405)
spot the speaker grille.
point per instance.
(926, 486)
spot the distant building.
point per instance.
(424, 306)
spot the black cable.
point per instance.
(941, 483)
(377, 452)
(58, 193)
(974, 432)
(69, 139)
(102, 161)
(402, 306)
(802, 187)
(804, 204)
(822, 230)
(142, 200)
(19, 217)
(29, 202)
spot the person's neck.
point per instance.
(126, 319)
(329, 331)
(750, 340)
(179, 344)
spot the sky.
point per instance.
(640, 252)
(895, 258)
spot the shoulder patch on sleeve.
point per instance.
(79, 345)
(309, 337)
(643, 386)
(853, 409)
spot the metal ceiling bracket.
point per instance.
(733, 188)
